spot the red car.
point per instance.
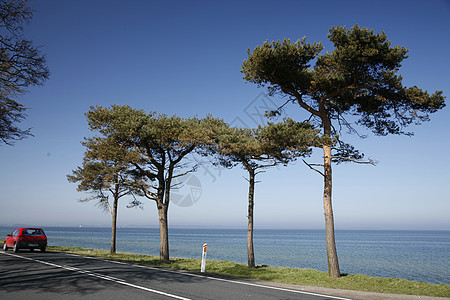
(26, 238)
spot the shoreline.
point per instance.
(199, 227)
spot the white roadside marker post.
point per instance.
(203, 267)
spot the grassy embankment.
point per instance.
(296, 276)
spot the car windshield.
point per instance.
(30, 231)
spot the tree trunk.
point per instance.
(163, 232)
(114, 225)
(333, 264)
(251, 193)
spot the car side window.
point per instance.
(15, 232)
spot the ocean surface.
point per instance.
(413, 255)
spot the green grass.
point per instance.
(296, 276)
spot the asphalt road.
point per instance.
(52, 275)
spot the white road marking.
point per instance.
(101, 276)
(171, 271)
(225, 280)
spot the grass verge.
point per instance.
(295, 276)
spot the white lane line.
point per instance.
(227, 280)
(194, 275)
(276, 288)
(101, 276)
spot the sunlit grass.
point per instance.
(295, 276)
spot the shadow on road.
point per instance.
(18, 274)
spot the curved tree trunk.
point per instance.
(251, 193)
(163, 232)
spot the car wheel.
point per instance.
(16, 248)
(43, 249)
(5, 248)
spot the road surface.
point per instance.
(53, 275)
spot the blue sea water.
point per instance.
(413, 255)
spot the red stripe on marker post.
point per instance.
(203, 266)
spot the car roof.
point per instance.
(29, 228)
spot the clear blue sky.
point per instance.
(184, 58)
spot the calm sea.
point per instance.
(413, 255)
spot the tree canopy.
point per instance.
(157, 146)
(21, 65)
(105, 172)
(355, 84)
(260, 148)
(358, 78)
(278, 143)
(104, 166)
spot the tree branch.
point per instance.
(149, 195)
(299, 97)
(369, 162)
(311, 167)
(185, 173)
(147, 173)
